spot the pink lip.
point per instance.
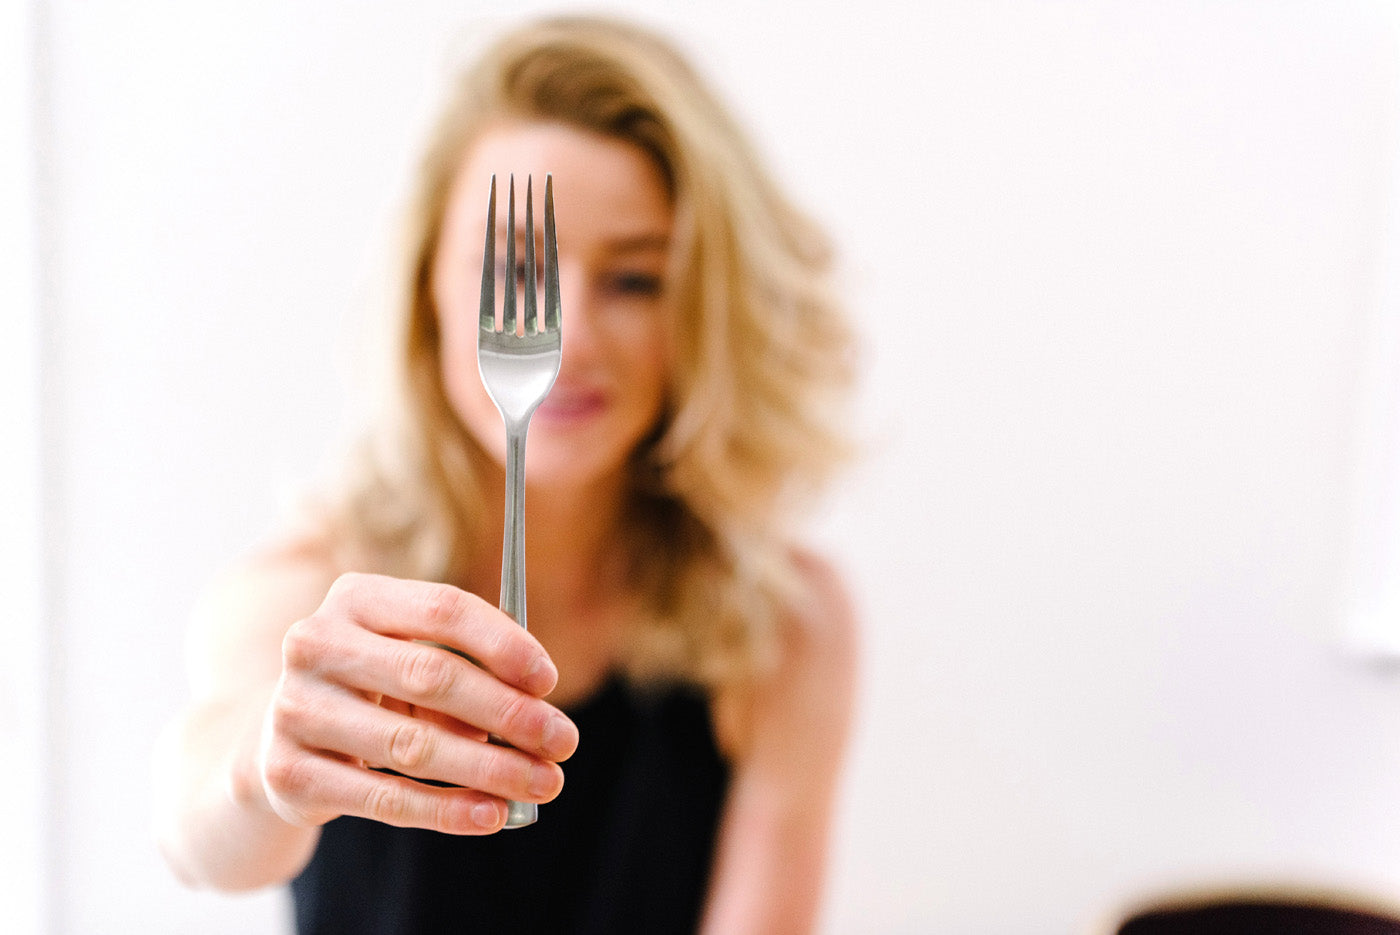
(571, 404)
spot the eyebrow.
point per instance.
(627, 243)
(640, 242)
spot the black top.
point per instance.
(626, 847)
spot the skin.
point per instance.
(303, 674)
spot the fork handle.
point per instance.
(513, 544)
(518, 814)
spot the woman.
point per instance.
(699, 663)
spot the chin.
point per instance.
(561, 467)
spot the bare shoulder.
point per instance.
(823, 625)
(811, 690)
(243, 614)
(820, 643)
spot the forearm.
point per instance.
(214, 825)
(770, 870)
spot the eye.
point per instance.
(636, 283)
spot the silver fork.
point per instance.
(518, 370)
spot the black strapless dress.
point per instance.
(626, 847)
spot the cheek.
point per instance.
(657, 367)
(658, 359)
(462, 380)
(651, 390)
(454, 288)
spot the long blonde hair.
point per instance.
(762, 355)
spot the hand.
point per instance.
(357, 691)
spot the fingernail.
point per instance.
(541, 677)
(559, 736)
(486, 814)
(541, 782)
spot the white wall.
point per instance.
(1118, 263)
(23, 663)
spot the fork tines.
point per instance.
(530, 323)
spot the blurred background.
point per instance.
(1124, 539)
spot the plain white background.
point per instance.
(1120, 267)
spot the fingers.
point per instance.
(360, 730)
(358, 687)
(447, 615)
(445, 721)
(433, 679)
(312, 790)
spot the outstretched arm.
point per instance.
(304, 680)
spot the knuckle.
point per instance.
(305, 643)
(426, 673)
(502, 640)
(441, 604)
(285, 713)
(386, 802)
(518, 713)
(501, 773)
(345, 587)
(507, 773)
(512, 651)
(341, 592)
(286, 775)
(410, 747)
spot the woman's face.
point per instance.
(613, 220)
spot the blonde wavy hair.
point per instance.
(761, 359)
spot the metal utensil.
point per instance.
(518, 366)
